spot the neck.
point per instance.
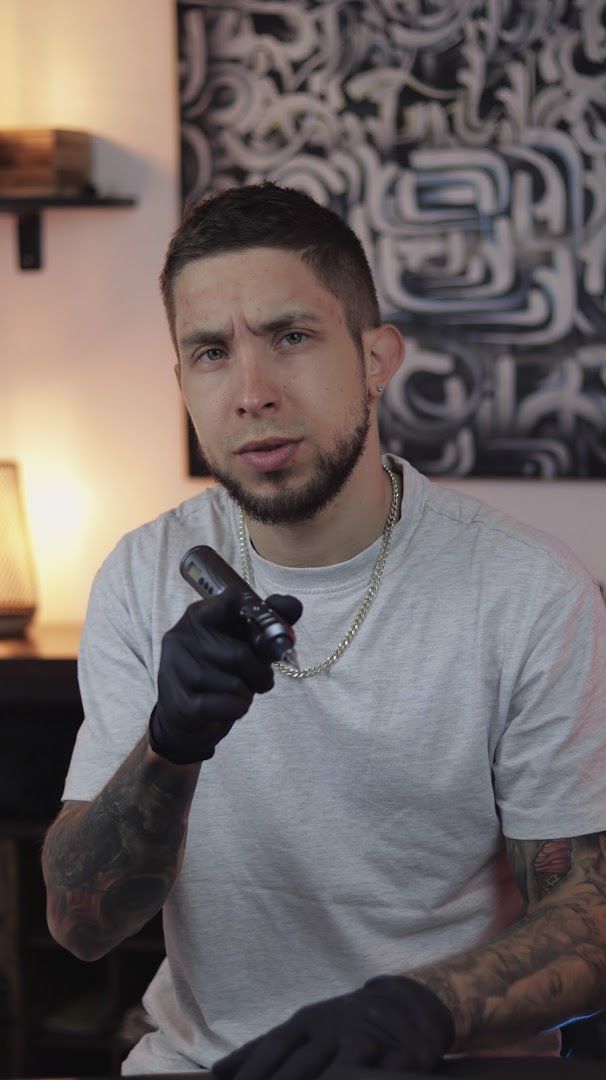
(351, 523)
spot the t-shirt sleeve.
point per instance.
(550, 762)
(117, 685)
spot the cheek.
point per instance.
(337, 394)
(317, 381)
(203, 400)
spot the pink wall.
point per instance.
(89, 404)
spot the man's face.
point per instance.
(266, 357)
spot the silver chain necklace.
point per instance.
(367, 600)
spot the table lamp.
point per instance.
(17, 579)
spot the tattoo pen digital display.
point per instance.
(268, 633)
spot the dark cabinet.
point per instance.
(59, 1016)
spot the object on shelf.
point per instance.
(42, 168)
(44, 161)
(17, 582)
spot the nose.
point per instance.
(258, 384)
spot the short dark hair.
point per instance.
(266, 215)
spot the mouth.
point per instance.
(267, 455)
(270, 443)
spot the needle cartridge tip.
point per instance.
(290, 657)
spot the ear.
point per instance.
(384, 349)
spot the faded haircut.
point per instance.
(266, 215)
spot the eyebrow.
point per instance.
(286, 318)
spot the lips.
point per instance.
(269, 455)
(265, 444)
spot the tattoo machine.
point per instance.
(271, 636)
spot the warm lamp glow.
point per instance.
(17, 584)
(59, 510)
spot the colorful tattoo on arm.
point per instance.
(547, 967)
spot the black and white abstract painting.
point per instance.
(465, 143)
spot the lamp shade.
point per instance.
(17, 580)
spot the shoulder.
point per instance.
(155, 548)
(208, 511)
(138, 591)
(493, 543)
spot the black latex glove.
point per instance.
(392, 1023)
(207, 677)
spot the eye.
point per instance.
(209, 355)
(298, 334)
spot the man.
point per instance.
(396, 853)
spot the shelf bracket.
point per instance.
(29, 210)
(29, 240)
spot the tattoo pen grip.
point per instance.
(270, 635)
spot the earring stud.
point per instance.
(380, 388)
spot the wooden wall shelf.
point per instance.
(28, 210)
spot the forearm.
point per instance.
(545, 969)
(109, 864)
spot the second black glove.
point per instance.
(393, 1023)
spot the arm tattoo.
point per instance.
(548, 967)
(539, 865)
(110, 863)
(551, 864)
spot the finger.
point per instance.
(208, 650)
(402, 1060)
(271, 1052)
(227, 1066)
(307, 1063)
(287, 607)
(215, 712)
(241, 666)
(223, 670)
(216, 612)
(220, 612)
(358, 1051)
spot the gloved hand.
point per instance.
(393, 1022)
(207, 677)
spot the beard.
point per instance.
(284, 507)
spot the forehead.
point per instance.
(248, 284)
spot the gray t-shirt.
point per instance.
(351, 824)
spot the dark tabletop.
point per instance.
(510, 1068)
